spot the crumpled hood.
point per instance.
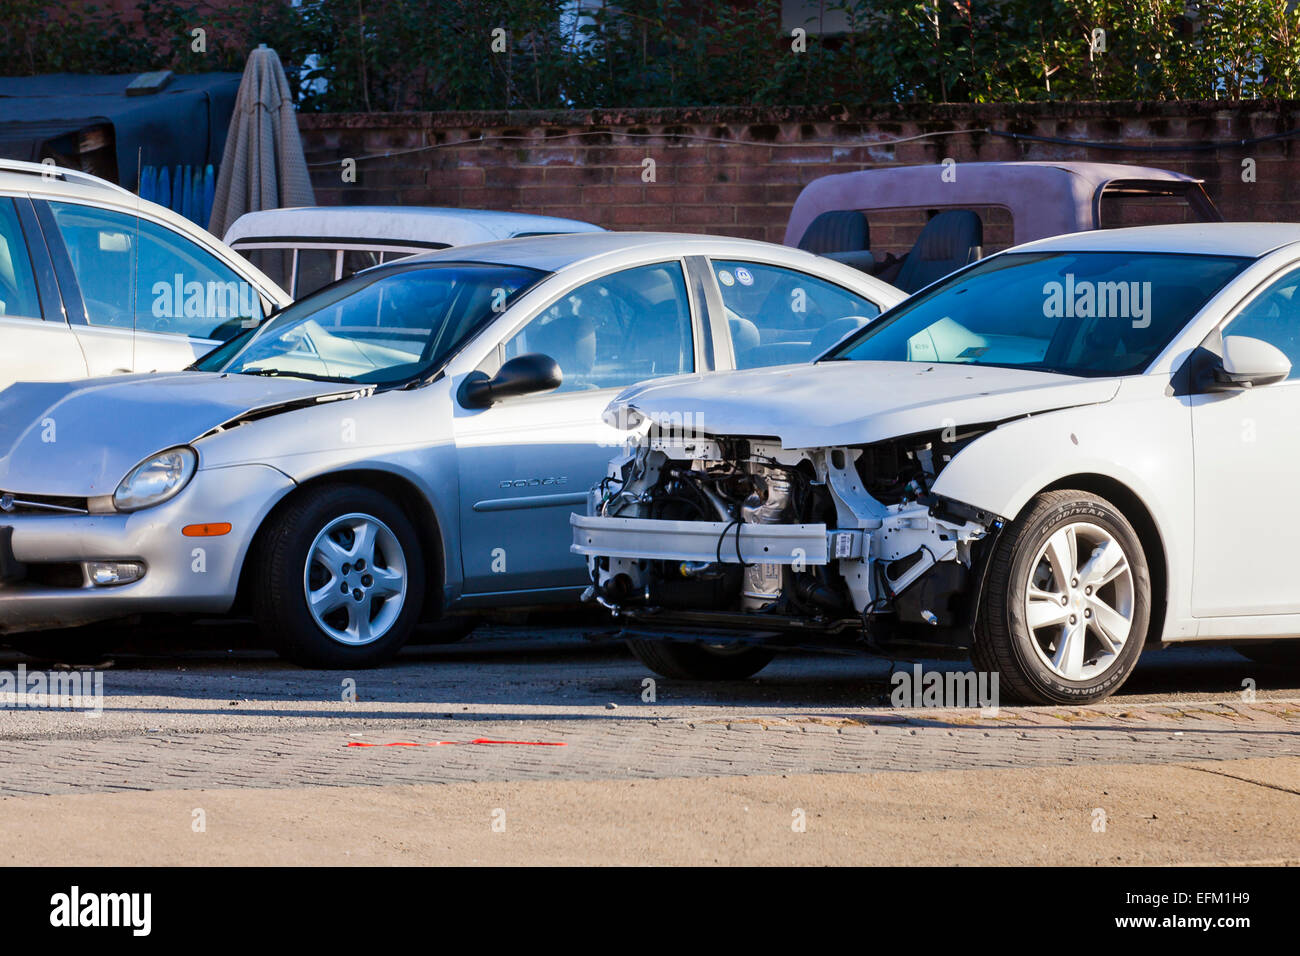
(79, 439)
(854, 403)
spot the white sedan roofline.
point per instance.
(555, 252)
(1249, 239)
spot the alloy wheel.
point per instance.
(1079, 601)
(355, 579)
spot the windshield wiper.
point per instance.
(279, 373)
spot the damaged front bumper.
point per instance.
(751, 555)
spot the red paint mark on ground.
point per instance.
(521, 743)
(400, 743)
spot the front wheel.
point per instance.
(340, 579)
(1066, 604)
(699, 662)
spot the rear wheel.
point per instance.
(340, 580)
(698, 661)
(1066, 604)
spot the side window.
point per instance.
(779, 316)
(354, 260)
(616, 330)
(315, 270)
(1274, 316)
(18, 298)
(179, 287)
(276, 263)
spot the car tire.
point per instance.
(340, 579)
(680, 661)
(1271, 653)
(1089, 628)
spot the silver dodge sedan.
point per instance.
(406, 443)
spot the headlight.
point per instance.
(156, 479)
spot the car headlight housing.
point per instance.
(156, 479)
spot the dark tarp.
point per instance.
(184, 124)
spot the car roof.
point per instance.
(392, 224)
(1045, 198)
(552, 253)
(1249, 239)
(19, 176)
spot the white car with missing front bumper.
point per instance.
(1054, 491)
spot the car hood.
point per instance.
(79, 439)
(854, 403)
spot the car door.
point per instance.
(779, 316)
(36, 343)
(525, 464)
(142, 296)
(1247, 453)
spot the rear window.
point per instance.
(896, 230)
(1122, 206)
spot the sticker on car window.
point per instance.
(744, 277)
(725, 277)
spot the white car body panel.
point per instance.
(39, 351)
(111, 351)
(1246, 448)
(872, 400)
(1141, 439)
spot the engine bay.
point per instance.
(739, 531)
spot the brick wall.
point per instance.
(737, 171)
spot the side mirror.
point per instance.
(1247, 363)
(522, 375)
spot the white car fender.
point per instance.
(1141, 439)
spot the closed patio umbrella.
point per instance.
(263, 166)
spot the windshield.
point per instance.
(380, 327)
(1078, 313)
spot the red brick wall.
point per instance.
(737, 171)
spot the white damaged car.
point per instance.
(1056, 457)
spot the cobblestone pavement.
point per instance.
(620, 749)
(176, 718)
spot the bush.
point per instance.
(383, 55)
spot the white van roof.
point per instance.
(422, 225)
